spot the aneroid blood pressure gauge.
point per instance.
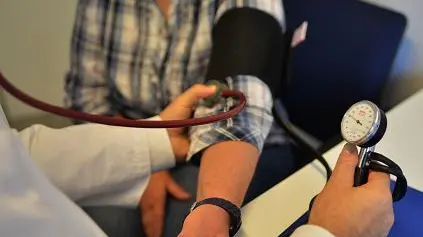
(364, 125)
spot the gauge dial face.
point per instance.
(360, 122)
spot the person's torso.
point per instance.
(151, 58)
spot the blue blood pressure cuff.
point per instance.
(248, 41)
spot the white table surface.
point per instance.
(278, 208)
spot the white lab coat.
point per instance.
(45, 173)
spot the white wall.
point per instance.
(408, 69)
(34, 48)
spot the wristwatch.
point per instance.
(233, 211)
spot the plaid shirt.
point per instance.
(128, 58)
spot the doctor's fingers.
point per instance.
(191, 97)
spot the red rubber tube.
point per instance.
(11, 89)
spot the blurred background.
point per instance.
(34, 54)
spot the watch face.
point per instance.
(359, 122)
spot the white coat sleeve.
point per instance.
(311, 231)
(96, 164)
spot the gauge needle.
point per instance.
(356, 120)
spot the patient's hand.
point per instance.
(153, 202)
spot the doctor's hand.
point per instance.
(182, 108)
(348, 211)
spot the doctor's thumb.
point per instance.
(343, 173)
(193, 95)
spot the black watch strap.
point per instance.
(233, 211)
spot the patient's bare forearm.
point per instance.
(226, 171)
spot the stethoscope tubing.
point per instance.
(143, 123)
